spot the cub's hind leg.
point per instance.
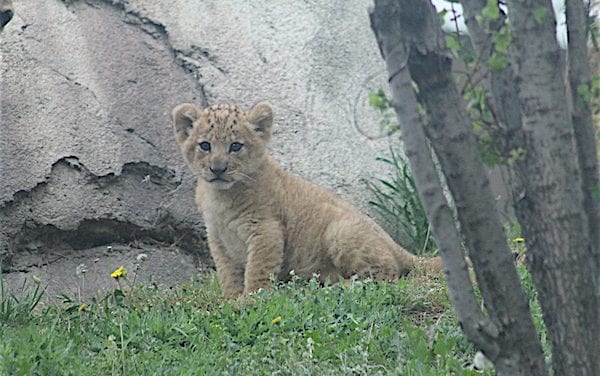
(356, 247)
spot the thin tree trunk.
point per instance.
(580, 74)
(478, 327)
(500, 83)
(409, 35)
(550, 208)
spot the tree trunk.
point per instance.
(550, 209)
(410, 36)
(580, 74)
(478, 327)
(539, 207)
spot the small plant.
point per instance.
(380, 102)
(18, 307)
(399, 204)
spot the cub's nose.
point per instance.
(218, 170)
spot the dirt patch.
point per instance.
(84, 274)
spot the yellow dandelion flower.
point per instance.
(121, 272)
(518, 240)
(82, 307)
(276, 320)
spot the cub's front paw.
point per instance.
(230, 294)
(231, 291)
(252, 288)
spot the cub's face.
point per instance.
(222, 144)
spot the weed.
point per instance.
(19, 306)
(397, 201)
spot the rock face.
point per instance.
(87, 156)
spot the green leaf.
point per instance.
(516, 155)
(379, 100)
(491, 11)
(502, 39)
(453, 44)
(539, 14)
(498, 61)
(584, 91)
(596, 193)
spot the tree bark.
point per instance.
(500, 84)
(409, 36)
(478, 327)
(550, 208)
(586, 148)
(583, 125)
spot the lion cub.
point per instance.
(263, 221)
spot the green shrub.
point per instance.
(397, 201)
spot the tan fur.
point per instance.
(263, 221)
(6, 12)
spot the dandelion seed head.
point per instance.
(80, 270)
(480, 362)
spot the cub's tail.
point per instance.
(430, 264)
(408, 262)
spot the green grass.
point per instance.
(367, 328)
(15, 307)
(397, 202)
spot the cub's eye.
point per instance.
(204, 146)
(235, 146)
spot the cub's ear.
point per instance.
(260, 117)
(184, 117)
